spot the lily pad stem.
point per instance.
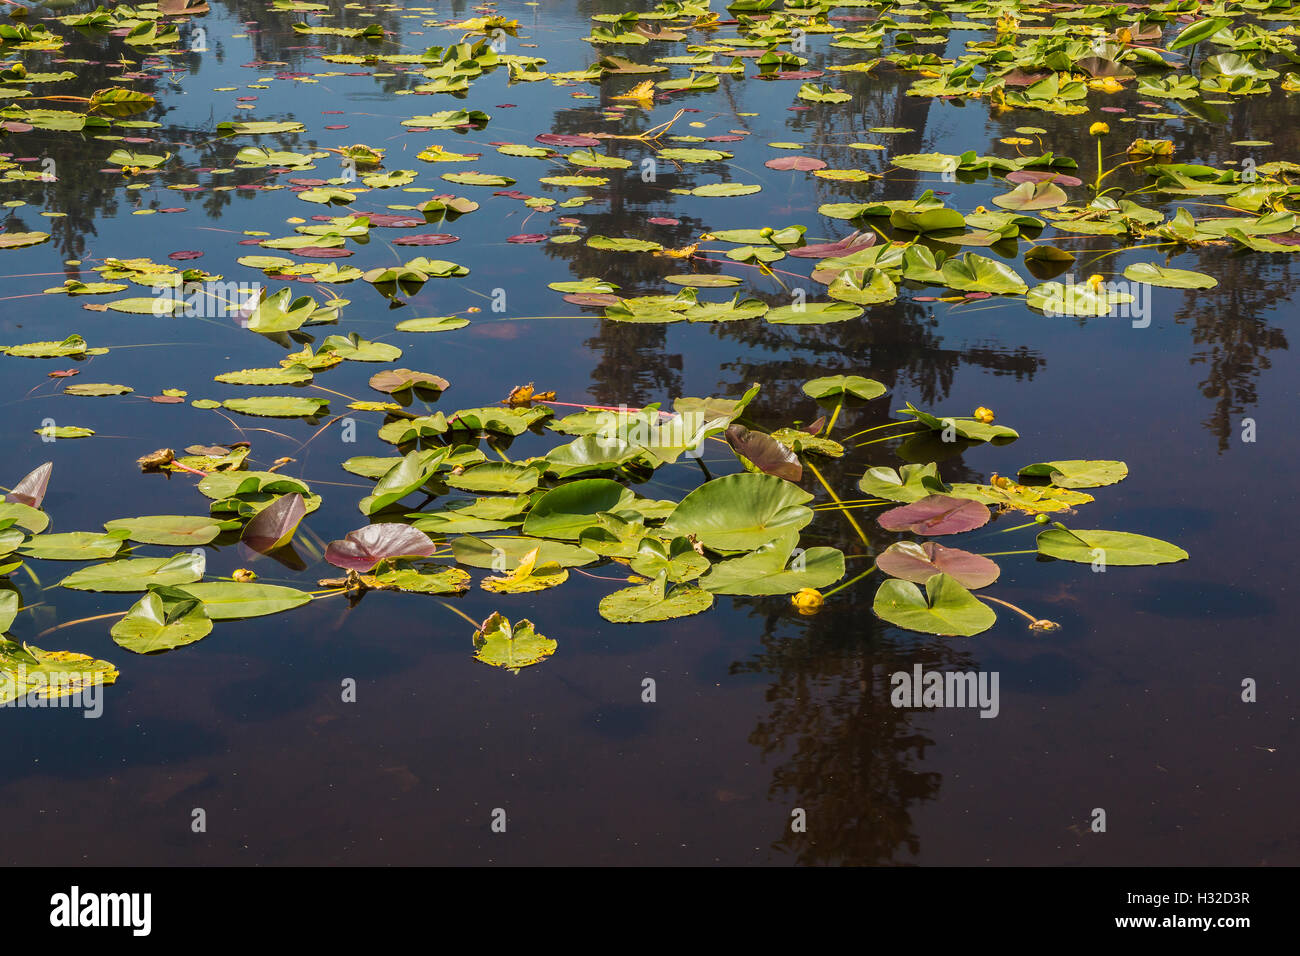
(831, 491)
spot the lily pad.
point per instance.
(234, 600)
(654, 602)
(945, 608)
(193, 530)
(1119, 548)
(513, 646)
(740, 512)
(137, 574)
(917, 563)
(833, 386)
(1078, 473)
(566, 511)
(936, 514)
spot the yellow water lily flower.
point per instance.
(984, 415)
(808, 601)
(1098, 129)
(1095, 282)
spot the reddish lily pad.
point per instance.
(936, 514)
(364, 548)
(917, 562)
(804, 164)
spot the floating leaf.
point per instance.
(505, 552)
(31, 489)
(917, 563)
(233, 600)
(1078, 473)
(776, 568)
(500, 644)
(274, 526)
(1154, 274)
(945, 608)
(528, 576)
(75, 546)
(764, 453)
(28, 670)
(1111, 547)
(936, 514)
(566, 511)
(909, 483)
(364, 548)
(740, 512)
(168, 529)
(163, 619)
(280, 406)
(653, 602)
(137, 574)
(833, 386)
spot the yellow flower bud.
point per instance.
(807, 600)
(1098, 129)
(984, 415)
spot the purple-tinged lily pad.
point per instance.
(917, 562)
(826, 250)
(31, 490)
(803, 164)
(765, 453)
(936, 514)
(364, 548)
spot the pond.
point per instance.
(392, 319)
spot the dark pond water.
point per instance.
(1132, 706)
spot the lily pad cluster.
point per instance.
(449, 510)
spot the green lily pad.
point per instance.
(292, 375)
(1078, 473)
(740, 512)
(499, 643)
(1154, 274)
(775, 569)
(909, 483)
(832, 386)
(26, 669)
(64, 431)
(654, 602)
(279, 406)
(813, 313)
(193, 530)
(504, 553)
(566, 511)
(137, 574)
(1119, 548)
(444, 323)
(75, 546)
(234, 600)
(498, 476)
(945, 608)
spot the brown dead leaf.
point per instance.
(156, 459)
(525, 395)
